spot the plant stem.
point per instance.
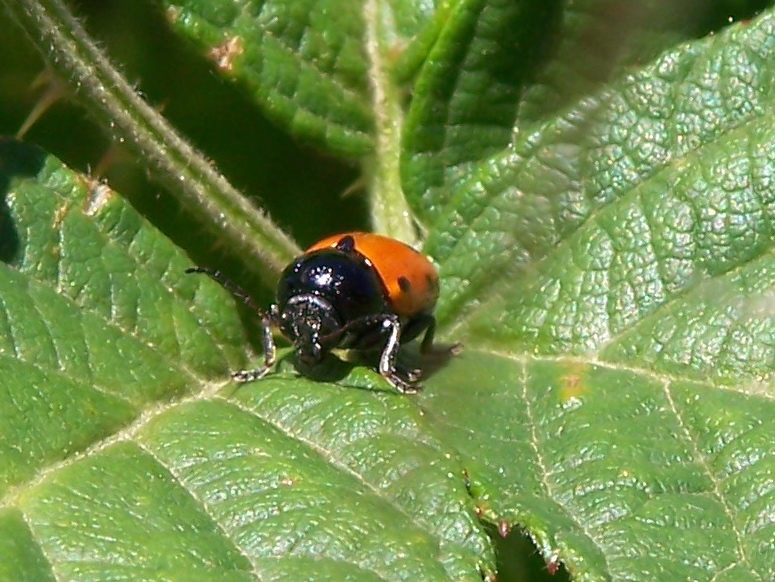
(186, 173)
(391, 214)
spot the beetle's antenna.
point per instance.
(229, 285)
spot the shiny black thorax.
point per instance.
(328, 299)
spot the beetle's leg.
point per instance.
(427, 347)
(355, 324)
(387, 360)
(267, 343)
(267, 320)
(427, 341)
(405, 381)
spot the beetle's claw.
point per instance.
(249, 375)
(407, 381)
(403, 386)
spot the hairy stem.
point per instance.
(185, 172)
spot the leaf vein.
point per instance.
(701, 460)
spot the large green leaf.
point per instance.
(466, 94)
(125, 454)
(616, 264)
(606, 260)
(307, 62)
(595, 40)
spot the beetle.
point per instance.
(355, 290)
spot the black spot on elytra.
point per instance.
(433, 283)
(346, 244)
(404, 284)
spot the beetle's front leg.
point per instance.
(267, 320)
(387, 360)
(267, 343)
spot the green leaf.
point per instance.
(125, 453)
(606, 259)
(96, 317)
(595, 41)
(625, 473)
(613, 272)
(464, 105)
(306, 63)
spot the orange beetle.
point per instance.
(410, 281)
(354, 290)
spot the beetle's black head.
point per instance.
(311, 323)
(320, 293)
